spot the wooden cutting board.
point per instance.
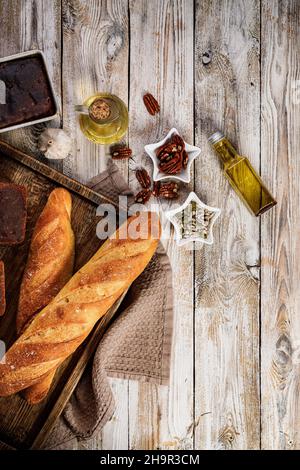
(23, 426)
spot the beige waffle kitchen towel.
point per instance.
(136, 346)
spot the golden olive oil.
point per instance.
(103, 118)
(242, 176)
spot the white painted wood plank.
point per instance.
(226, 369)
(95, 58)
(115, 432)
(161, 52)
(227, 97)
(280, 235)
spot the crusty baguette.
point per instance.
(58, 330)
(38, 392)
(51, 257)
(49, 267)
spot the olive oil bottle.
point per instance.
(103, 118)
(242, 176)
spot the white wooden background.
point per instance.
(233, 65)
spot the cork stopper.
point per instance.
(99, 110)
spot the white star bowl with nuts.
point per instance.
(185, 173)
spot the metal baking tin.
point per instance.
(35, 121)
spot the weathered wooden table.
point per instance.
(230, 65)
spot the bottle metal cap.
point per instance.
(216, 137)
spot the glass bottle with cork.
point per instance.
(242, 176)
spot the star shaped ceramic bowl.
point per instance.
(185, 174)
(193, 213)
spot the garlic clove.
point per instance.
(55, 144)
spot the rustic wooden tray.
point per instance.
(23, 426)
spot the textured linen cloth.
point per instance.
(136, 346)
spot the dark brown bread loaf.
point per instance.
(2, 289)
(13, 213)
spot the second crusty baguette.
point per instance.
(58, 330)
(49, 267)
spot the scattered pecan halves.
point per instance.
(143, 196)
(151, 104)
(169, 190)
(121, 153)
(143, 178)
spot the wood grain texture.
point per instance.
(280, 165)
(227, 75)
(22, 425)
(115, 433)
(220, 347)
(95, 58)
(162, 63)
(27, 25)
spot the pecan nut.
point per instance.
(143, 178)
(169, 190)
(166, 149)
(165, 157)
(172, 166)
(143, 196)
(151, 104)
(185, 159)
(178, 141)
(121, 153)
(156, 188)
(172, 155)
